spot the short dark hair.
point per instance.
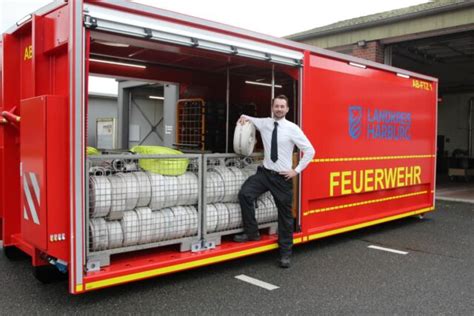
(282, 97)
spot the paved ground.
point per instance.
(337, 275)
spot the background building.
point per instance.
(436, 39)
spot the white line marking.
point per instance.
(25, 214)
(257, 282)
(29, 199)
(36, 188)
(388, 249)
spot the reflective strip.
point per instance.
(372, 158)
(337, 207)
(25, 214)
(36, 188)
(29, 199)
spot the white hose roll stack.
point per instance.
(164, 191)
(211, 218)
(215, 190)
(144, 189)
(188, 189)
(98, 234)
(147, 222)
(239, 178)
(193, 220)
(222, 217)
(132, 190)
(231, 187)
(181, 222)
(244, 138)
(100, 196)
(267, 210)
(235, 215)
(115, 234)
(119, 197)
(168, 226)
(158, 193)
(172, 191)
(131, 228)
(160, 224)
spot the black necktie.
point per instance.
(274, 148)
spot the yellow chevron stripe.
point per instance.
(337, 207)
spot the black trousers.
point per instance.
(282, 190)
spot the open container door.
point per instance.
(374, 133)
(76, 53)
(128, 45)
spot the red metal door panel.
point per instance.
(33, 176)
(374, 135)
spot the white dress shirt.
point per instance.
(289, 135)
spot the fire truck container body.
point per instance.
(373, 128)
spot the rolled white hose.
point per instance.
(100, 196)
(172, 191)
(99, 237)
(158, 193)
(132, 190)
(244, 138)
(230, 186)
(118, 165)
(160, 221)
(188, 189)
(115, 234)
(131, 228)
(164, 191)
(147, 222)
(193, 220)
(97, 171)
(144, 189)
(215, 190)
(239, 179)
(119, 197)
(180, 222)
(211, 218)
(222, 217)
(168, 223)
(235, 215)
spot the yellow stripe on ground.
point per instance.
(366, 224)
(371, 158)
(337, 207)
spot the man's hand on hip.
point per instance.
(289, 174)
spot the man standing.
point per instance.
(279, 137)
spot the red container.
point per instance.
(373, 128)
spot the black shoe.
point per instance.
(245, 238)
(284, 262)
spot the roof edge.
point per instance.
(309, 34)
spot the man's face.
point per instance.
(279, 108)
